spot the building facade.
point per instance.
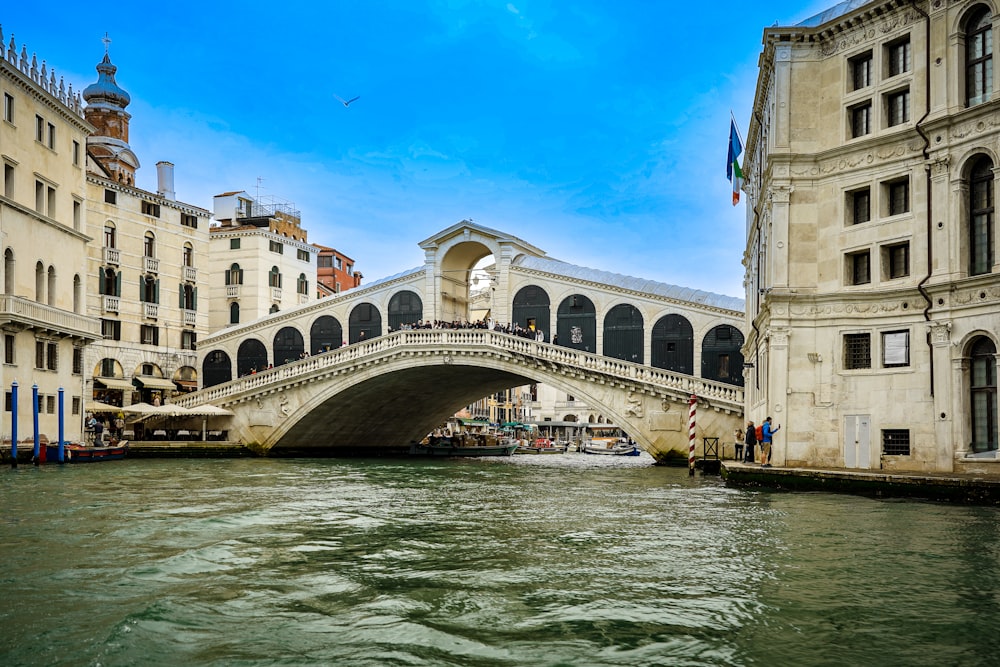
(43, 232)
(872, 278)
(335, 271)
(145, 256)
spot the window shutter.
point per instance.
(156, 291)
(180, 295)
(142, 289)
(118, 330)
(118, 283)
(194, 298)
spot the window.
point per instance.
(234, 312)
(109, 236)
(861, 71)
(149, 334)
(981, 231)
(189, 340)
(861, 119)
(76, 152)
(302, 285)
(8, 349)
(77, 214)
(40, 196)
(895, 349)
(50, 404)
(77, 361)
(8, 180)
(51, 201)
(859, 268)
(110, 197)
(111, 330)
(234, 275)
(51, 356)
(898, 56)
(108, 368)
(324, 262)
(189, 220)
(188, 255)
(859, 206)
(149, 289)
(896, 442)
(39, 128)
(277, 247)
(39, 354)
(8, 107)
(897, 107)
(274, 277)
(982, 379)
(150, 208)
(303, 255)
(338, 263)
(348, 268)
(52, 136)
(857, 351)
(979, 58)
(149, 245)
(234, 244)
(77, 401)
(896, 261)
(899, 197)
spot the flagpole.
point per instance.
(736, 125)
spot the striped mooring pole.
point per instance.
(692, 409)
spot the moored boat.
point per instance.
(541, 446)
(610, 447)
(76, 453)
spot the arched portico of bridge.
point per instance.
(385, 393)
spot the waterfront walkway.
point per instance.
(952, 487)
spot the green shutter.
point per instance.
(194, 299)
(118, 283)
(100, 282)
(180, 295)
(156, 291)
(142, 289)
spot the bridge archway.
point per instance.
(623, 333)
(672, 344)
(405, 307)
(365, 322)
(251, 356)
(721, 358)
(288, 345)
(576, 323)
(325, 334)
(216, 369)
(531, 309)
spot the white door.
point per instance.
(857, 441)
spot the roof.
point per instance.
(642, 285)
(832, 13)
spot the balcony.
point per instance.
(303, 298)
(112, 256)
(150, 265)
(31, 314)
(151, 310)
(111, 304)
(233, 291)
(190, 274)
(190, 316)
(275, 294)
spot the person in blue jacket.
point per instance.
(768, 432)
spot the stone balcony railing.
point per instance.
(275, 294)
(110, 304)
(150, 265)
(190, 317)
(151, 310)
(233, 291)
(19, 310)
(112, 256)
(190, 274)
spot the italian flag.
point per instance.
(733, 171)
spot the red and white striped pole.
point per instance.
(692, 408)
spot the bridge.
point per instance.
(382, 381)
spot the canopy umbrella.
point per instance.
(97, 406)
(205, 411)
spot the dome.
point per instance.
(106, 91)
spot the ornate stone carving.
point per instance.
(633, 405)
(867, 32)
(940, 332)
(845, 308)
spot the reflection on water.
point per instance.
(530, 560)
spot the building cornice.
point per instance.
(145, 194)
(249, 230)
(32, 88)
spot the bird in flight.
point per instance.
(347, 103)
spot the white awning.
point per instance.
(114, 383)
(155, 383)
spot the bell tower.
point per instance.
(105, 110)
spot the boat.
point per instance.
(610, 447)
(541, 446)
(77, 453)
(463, 444)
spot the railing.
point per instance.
(465, 339)
(233, 291)
(190, 274)
(112, 256)
(303, 298)
(21, 310)
(275, 294)
(190, 317)
(111, 304)
(151, 310)
(150, 265)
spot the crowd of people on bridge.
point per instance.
(490, 324)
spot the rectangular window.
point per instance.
(899, 197)
(51, 202)
(40, 197)
(276, 246)
(189, 220)
(50, 404)
(52, 136)
(859, 268)
(859, 206)
(107, 368)
(189, 340)
(39, 128)
(861, 119)
(77, 361)
(52, 356)
(303, 255)
(895, 349)
(8, 348)
(857, 351)
(8, 401)
(150, 208)
(76, 152)
(898, 56)
(8, 180)
(76, 405)
(896, 261)
(861, 71)
(77, 214)
(111, 329)
(110, 197)
(347, 268)
(234, 244)
(8, 107)
(896, 442)
(324, 262)
(149, 335)
(897, 107)
(338, 263)
(40, 354)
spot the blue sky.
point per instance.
(596, 131)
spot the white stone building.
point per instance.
(872, 274)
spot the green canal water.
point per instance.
(548, 560)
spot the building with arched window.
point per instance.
(872, 275)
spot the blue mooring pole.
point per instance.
(62, 423)
(13, 424)
(34, 412)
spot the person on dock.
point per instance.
(765, 448)
(749, 441)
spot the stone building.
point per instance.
(335, 271)
(872, 278)
(43, 233)
(145, 256)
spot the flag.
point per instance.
(733, 171)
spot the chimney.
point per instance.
(165, 180)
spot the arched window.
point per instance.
(234, 275)
(325, 334)
(623, 333)
(39, 282)
(576, 323)
(216, 369)
(302, 285)
(978, 57)
(274, 277)
(721, 358)
(983, 388)
(110, 282)
(52, 286)
(149, 245)
(8, 271)
(274, 308)
(530, 309)
(251, 357)
(234, 312)
(672, 344)
(110, 236)
(77, 293)
(188, 255)
(364, 323)
(981, 217)
(288, 346)
(405, 307)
